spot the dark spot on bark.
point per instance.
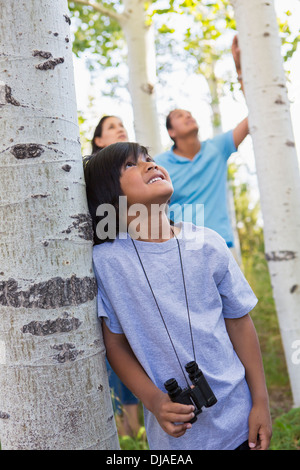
(279, 101)
(266, 35)
(294, 288)
(100, 388)
(289, 143)
(35, 196)
(148, 88)
(50, 64)
(23, 151)
(55, 34)
(67, 39)
(110, 418)
(54, 293)
(82, 223)
(280, 256)
(9, 98)
(43, 54)
(4, 415)
(67, 18)
(66, 168)
(67, 353)
(50, 327)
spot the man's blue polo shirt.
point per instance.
(200, 185)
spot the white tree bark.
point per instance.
(54, 390)
(142, 75)
(218, 129)
(141, 68)
(277, 165)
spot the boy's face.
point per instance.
(144, 182)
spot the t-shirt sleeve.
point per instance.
(105, 309)
(225, 144)
(237, 296)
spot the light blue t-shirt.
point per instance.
(201, 183)
(216, 289)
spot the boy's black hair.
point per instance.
(102, 173)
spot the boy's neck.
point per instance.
(154, 228)
(187, 147)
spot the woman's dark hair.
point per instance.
(102, 173)
(98, 133)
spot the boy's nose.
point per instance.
(151, 165)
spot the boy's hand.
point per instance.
(168, 413)
(260, 428)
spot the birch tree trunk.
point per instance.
(277, 165)
(54, 390)
(142, 75)
(218, 129)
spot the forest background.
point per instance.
(101, 89)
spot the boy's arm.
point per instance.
(243, 336)
(131, 373)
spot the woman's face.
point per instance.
(112, 131)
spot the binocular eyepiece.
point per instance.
(200, 395)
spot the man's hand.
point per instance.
(236, 54)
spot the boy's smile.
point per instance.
(157, 177)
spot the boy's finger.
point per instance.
(178, 408)
(180, 418)
(264, 438)
(179, 430)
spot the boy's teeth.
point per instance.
(155, 179)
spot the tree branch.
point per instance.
(103, 10)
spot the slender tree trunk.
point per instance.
(142, 75)
(277, 165)
(54, 391)
(218, 129)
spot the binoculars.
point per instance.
(200, 395)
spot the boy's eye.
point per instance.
(129, 164)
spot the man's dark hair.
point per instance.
(169, 125)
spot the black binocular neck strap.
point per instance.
(186, 299)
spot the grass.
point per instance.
(286, 431)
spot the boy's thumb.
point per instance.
(252, 440)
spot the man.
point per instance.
(199, 169)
